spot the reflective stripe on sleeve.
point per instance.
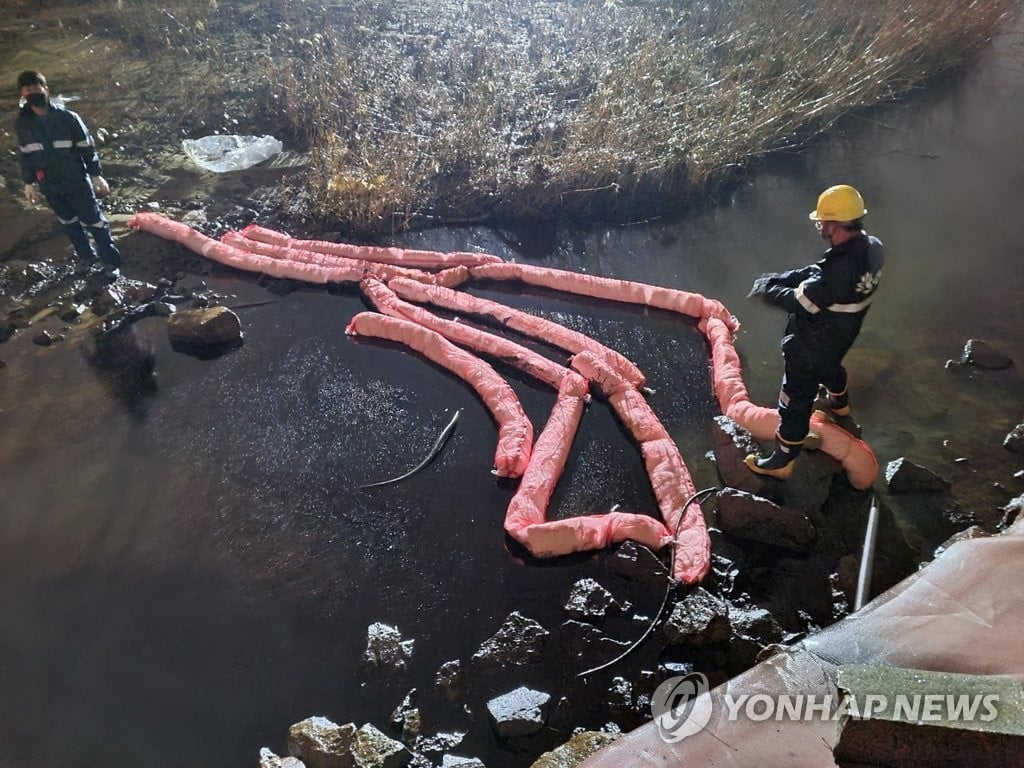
(63, 144)
(36, 147)
(860, 306)
(805, 302)
(85, 143)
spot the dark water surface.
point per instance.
(185, 574)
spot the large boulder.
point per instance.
(751, 517)
(203, 332)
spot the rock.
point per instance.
(44, 339)
(269, 760)
(204, 329)
(373, 749)
(386, 649)
(620, 698)
(107, 300)
(454, 761)
(638, 563)
(982, 355)
(320, 743)
(519, 713)
(1012, 511)
(163, 309)
(755, 623)
(589, 601)
(144, 293)
(903, 476)
(732, 444)
(577, 749)
(436, 745)
(517, 642)
(698, 619)
(69, 312)
(406, 718)
(447, 678)
(974, 532)
(1015, 439)
(751, 517)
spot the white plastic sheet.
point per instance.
(230, 153)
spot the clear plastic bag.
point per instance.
(230, 153)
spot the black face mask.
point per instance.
(37, 99)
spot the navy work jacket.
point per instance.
(57, 151)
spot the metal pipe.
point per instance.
(867, 557)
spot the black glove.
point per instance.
(760, 286)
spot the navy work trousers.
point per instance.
(76, 208)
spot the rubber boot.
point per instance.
(780, 463)
(105, 247)
(838, 402)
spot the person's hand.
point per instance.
(760, 286)
(31, 194)
(99, 184)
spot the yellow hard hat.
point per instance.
(839, 203)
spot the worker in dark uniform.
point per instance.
(827, 302)
(59, 161)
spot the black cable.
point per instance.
(669, 583)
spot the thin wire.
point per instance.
(669, 582)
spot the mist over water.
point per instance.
(185, 573)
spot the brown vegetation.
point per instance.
(421, 110)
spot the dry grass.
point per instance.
(423, 110)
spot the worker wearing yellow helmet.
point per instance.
(826, 302)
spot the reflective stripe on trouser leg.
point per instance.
(105, 243)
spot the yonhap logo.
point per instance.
(679, 707)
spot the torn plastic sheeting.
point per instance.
(515, 433)
(522, 322)
(221, 154)
(960, 613)
(405, 257)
